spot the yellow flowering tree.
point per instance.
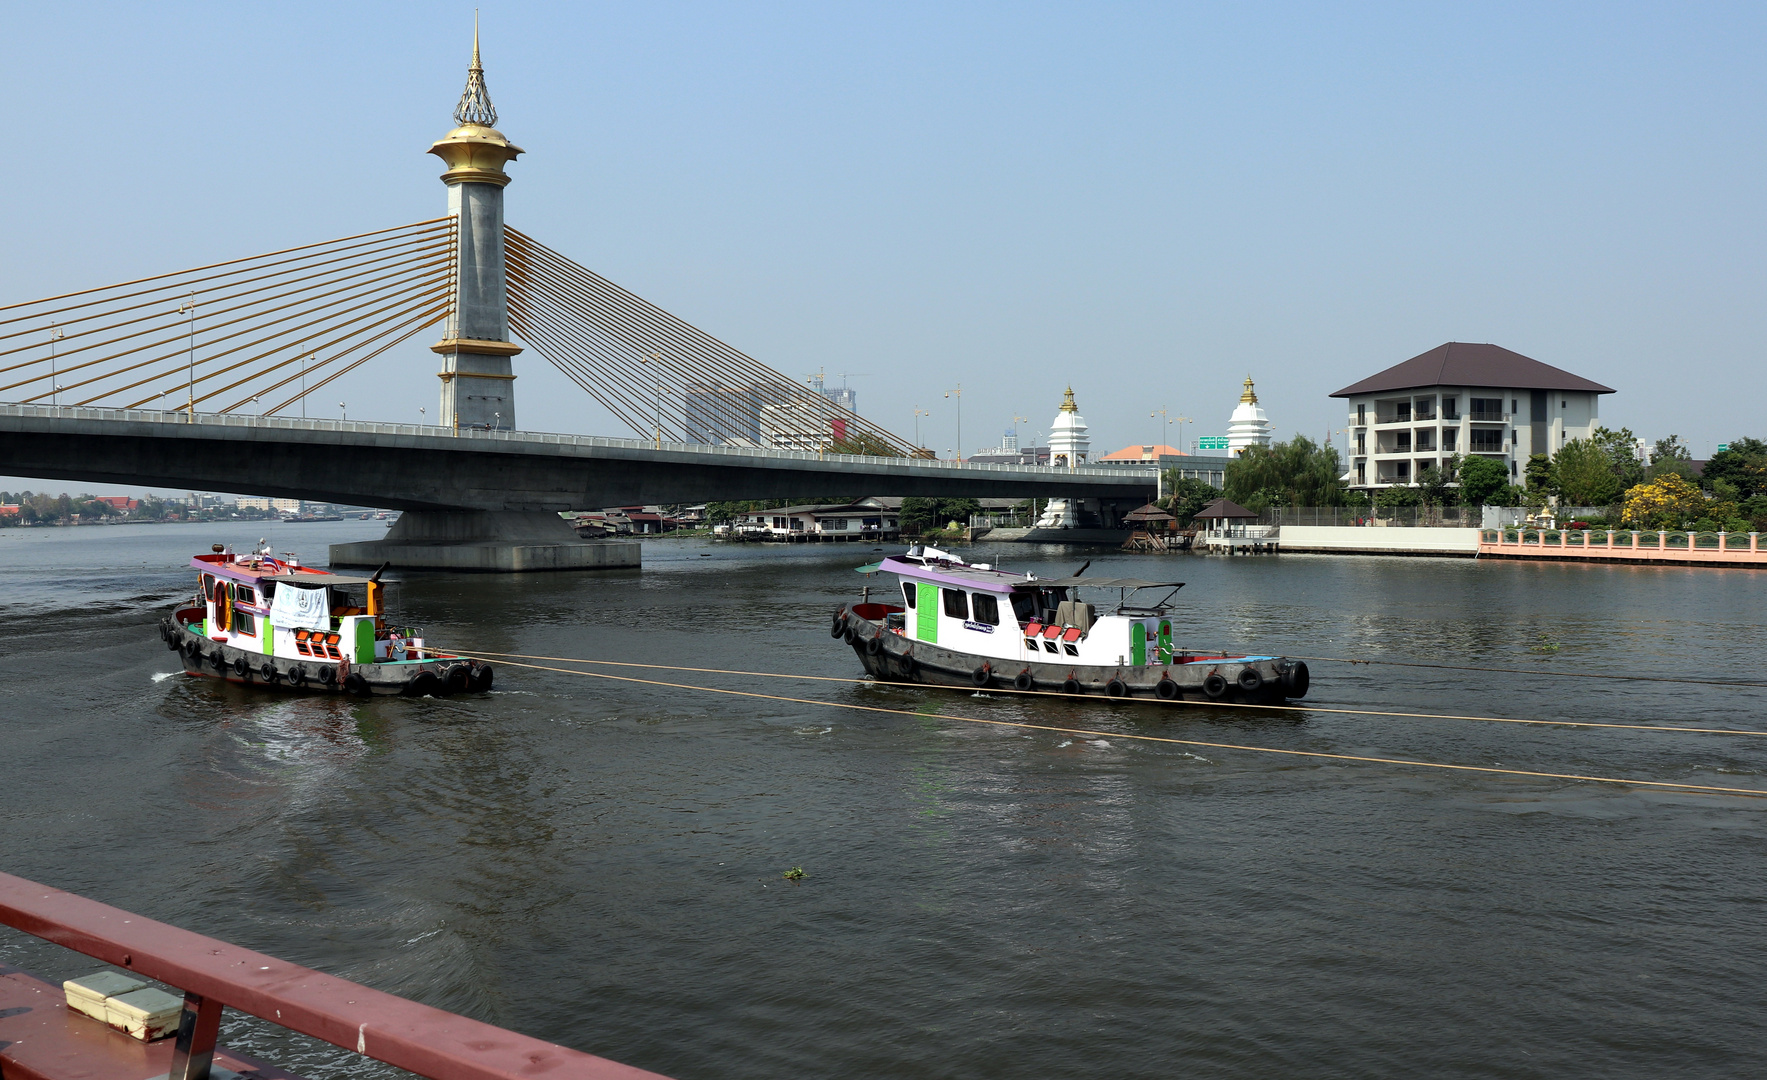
(1665, 503)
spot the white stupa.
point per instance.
(1068, 443)
(1068, 447)
(1248, 426)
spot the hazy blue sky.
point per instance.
(1148, 202)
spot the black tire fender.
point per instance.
(839, 626)
(1166, 690)
(424, 682)
(852, 637)
(482, 677)
(1072, 686)
(327, 673)
(1215, 685)
(1023, 680)
(218, 659)
(1251, 680)
(241, 668)
(356, 684)
(456, 679)
(907, 663)
(1116, 688)
(981, 676)
(267, 671)
(1296, 680)
(874, 645)
(297, 676)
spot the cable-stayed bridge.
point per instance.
(200, 378)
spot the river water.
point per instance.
(599, 863)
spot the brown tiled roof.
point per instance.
(1223, 508)
(1458, 363)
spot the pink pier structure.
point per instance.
(1625, 546)
(42, 1039)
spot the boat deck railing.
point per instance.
(214, 974)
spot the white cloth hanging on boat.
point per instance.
(294, 608)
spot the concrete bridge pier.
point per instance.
(503, 541)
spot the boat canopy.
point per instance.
(1109, 583)
(308, 577)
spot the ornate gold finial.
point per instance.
(475, 103)
(1067, 401)
(1250, 397)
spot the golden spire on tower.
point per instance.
(475, 151)
(1250, 397)
(1067, 401)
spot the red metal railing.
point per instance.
(214, 974)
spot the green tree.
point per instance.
(1187, 495)
(1621, 450)
(1668, 456)
(1298, 472)
(860, 442)
(1436, 486)
(1398, 496)
(723, 513)
(1481, 478)
(1585, 475)
(1744, 465)
(1540, 475)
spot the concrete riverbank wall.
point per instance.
(1352, 540)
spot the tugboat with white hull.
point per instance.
(269, 621)
(973, 625)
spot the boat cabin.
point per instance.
(274, 605)
(990, 613)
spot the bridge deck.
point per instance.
(416, 467)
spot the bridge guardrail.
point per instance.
(214, 974)
(370, 427)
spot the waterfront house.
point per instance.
(1465, 399)
(843, 521)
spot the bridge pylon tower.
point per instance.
(478, 380)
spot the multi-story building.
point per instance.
(1464, 399)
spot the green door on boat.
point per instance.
(926, 612)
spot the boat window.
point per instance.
(243, 623)
(908, 594)
(956, 603)
(987, 608)
(208, 585)
(1023, 606)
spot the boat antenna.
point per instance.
(1082, 568)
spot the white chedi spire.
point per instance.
(1068, 442)
(1248, 426)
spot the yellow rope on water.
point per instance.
(1150, 701)
(1662, 785)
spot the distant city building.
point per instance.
(1010, 453)
(1145, 454)
(1248, 426)
(118, 502)
(258, 502)
(845, 398)
(795, 425)
(1465, 399)
(719, 415)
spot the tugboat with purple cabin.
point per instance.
(974, 625)
(269, 621)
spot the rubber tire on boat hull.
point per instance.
(1215, 685)
(907, 664)
(981, 676)
(297, 676)
(267, 671)
(356, 684)
(1116, 688)
(456, 679)
(240, 667)
(1023, 681)
(852, 637)
(1072, 686)
(1166, 690)
(874, 645)
(482, 677)
(424, 682)
(1296, 680)
(327, 674)
(840, 625)
(1250, 680)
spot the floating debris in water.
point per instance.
(796, 873)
